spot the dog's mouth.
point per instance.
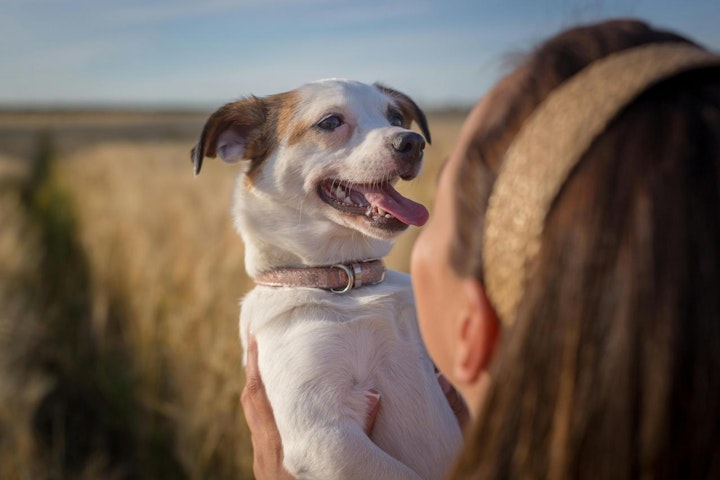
(380, 203)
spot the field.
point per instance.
(120, 277)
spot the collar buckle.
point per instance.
(351, 277)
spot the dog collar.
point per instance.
(338, 278)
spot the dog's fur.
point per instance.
(319, 352)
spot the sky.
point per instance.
(202, 53)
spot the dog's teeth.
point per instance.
(387, 215)
(340, 193)
(347, 201)
(381, 212)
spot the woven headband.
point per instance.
(550, 144)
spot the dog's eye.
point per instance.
(330, 123)
(396, 119)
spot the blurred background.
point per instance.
(120, 274)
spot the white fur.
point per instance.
(320, 352)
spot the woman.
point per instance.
(568, 282)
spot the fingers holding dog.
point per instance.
(265, 437)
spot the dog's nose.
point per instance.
(407, 148)
(408, 144)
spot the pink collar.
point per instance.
(338, 278)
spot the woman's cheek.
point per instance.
(424, 278)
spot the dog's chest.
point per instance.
(320, 353)
(369, 336)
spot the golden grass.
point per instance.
(161, 250)
(19, 394)
(164, 240)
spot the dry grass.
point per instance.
(163, 240)
(19, 394)
(164, 277)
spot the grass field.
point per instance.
(120, 277)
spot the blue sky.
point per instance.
(206, 52)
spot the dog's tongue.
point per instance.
(390, 200)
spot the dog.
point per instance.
(316, 207)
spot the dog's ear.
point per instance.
(230, 132)
(408, 107)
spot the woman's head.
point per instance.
(512, 102)
(614, 348)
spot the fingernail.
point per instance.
(372, 393)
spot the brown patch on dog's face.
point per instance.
(282, 108)
(280, 112)
(298, 131)
(306, 130)
(409, 109)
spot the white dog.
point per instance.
(317, 210)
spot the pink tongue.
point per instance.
(390, 200)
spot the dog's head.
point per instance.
(324, 157)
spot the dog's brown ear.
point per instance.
(409, 108)
(230, 131)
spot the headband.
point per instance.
(550, 144)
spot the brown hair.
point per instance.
(612, 368)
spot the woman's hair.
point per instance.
(612, 367)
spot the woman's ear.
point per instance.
(479, 333)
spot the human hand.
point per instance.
(267, 444)
(264, 434)
(457, 404)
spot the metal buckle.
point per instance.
(357, 275)
(352, 277)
